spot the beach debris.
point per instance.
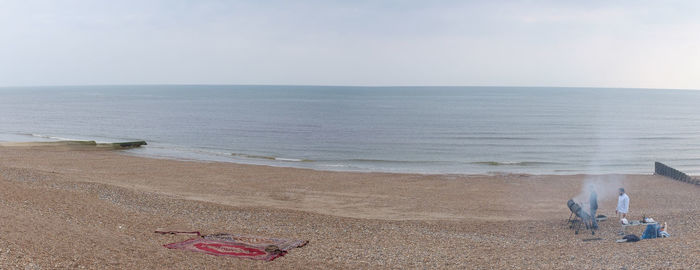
(236, 245)
(160, 231)
(591, 239)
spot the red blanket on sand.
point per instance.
(241, 246)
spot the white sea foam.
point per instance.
(289, 159)
(52, 137)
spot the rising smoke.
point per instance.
(604, 185)
(611, 143)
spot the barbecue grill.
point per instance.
(582, 217)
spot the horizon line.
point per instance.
(345, 86)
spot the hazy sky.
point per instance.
(653, 44)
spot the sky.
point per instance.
(637, 44)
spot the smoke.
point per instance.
(606, 186)
(611, 149)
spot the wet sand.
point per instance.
(64, 208)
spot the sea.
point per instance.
(427, 130)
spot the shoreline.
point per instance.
(484, 167)
(100, 209)
(491, 173)
(70, 145)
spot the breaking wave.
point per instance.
(520, 163)
(247, 156)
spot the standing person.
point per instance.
(593, 203)
(623, 204)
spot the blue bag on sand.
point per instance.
(652, 231)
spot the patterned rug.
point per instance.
(236, 245)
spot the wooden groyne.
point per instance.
(123, 145)
(664, 170)
(75, 145)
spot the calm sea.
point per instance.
(392, 129)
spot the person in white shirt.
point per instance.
(623, 204)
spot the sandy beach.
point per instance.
(98, 209)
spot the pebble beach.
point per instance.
(68, 209)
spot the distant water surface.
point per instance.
(470, 130)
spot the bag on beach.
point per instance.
(652, 231)
(631, 238)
